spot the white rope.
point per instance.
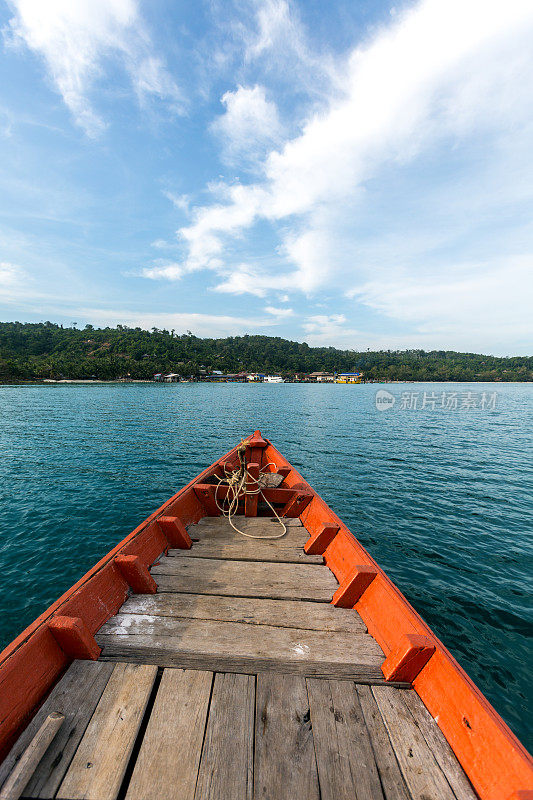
(239, 482)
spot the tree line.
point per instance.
(38, 351)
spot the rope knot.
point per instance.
(240, 483)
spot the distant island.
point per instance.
(44, 351)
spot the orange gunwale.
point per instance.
(497, 764)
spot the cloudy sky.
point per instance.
(361, 177)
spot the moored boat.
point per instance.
(241, 643)
(349, 377)
(273, 379)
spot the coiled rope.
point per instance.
(241, 483)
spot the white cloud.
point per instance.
(202, 238)
(278, 41)
(249, 126)
(150, 77)
(15, 284)
(172, 271)
(10, 274)
(200, 324)
(471, 300)
(6, 124)
(322, 329)
(311, 251)
(308, 250)
(442, 71)
(276, 25)
(245, 279)
(459, 311)
(179, 201)
(279, 312)
(75, 38)
(400, 96)
(334, 330)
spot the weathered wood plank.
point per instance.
(167, 764)
(220, 528)
(257, 526)
(422, 774)
(162, 653)
(250, 610)
(392, 780)
(284, 764)
(29, 760)
(214, 542)
(238, 637)
(345, 759)
(98, 767)
(243, 522)
(224, 645)
(226, 767)
(286, 554)
(144, 650)
(245, 579)
(75, 696)
(440, 748)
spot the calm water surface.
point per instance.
(442, 499)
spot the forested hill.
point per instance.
(45, 350)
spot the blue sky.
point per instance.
(358, 177)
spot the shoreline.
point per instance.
(89, 382)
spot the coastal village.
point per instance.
(216, 376)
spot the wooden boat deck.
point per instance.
(239, 679)
(230, 613)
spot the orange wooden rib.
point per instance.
(496, 763)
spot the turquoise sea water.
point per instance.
(440, 497)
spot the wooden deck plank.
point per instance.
(235, 551)
(162, 653)
(75, 696)
(98, 767)
(246, 523)
(423, 776)
(250, 610)
(226, 766)
(346, 766)
(254, 640)
(234, 646)
(245, 579)
(208, 527)
(168, 761)
(390, 774)
(217, 539)
(240, 549)
(284, 764)
(444, 755)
